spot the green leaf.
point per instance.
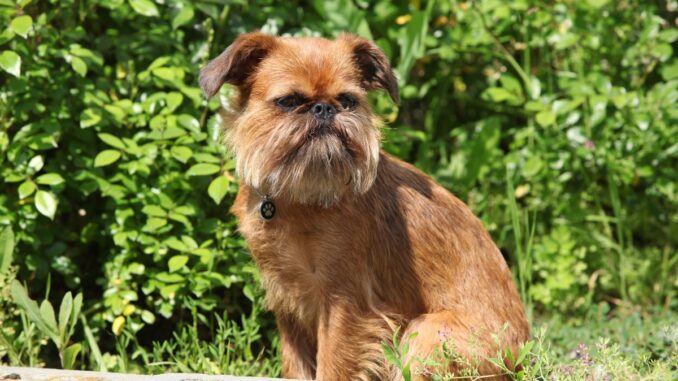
(532, 166)
(545, 118)
(175, 244)
(47, 314)
(177, 262)
(10, 62)
(36, 163)
(70, 355)
(159, 62)
(21, 25)
(148, 317)
(46, 203)
(65, 314)
(75, 311)
(89, 118)
(189, 122)
(535, 87)
(181, 218)
(6, 249)
(411, 41)
(218, 188)
(166, 73)
(144, 7)
(154, 224)
(407, 373)
(79, 65)
(174, 100)
(169, 278)
(32, 310)
(93, 346)
(184, 16)
(112, 140)
(499, 94)
(26, 189)
(670, 71)
(390, 355)
(524, 351)
(181, 153)
(106, 157)
(154, 210)
(203, 169)
(597, 3)
(49, 179)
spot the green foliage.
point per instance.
(231, 350)
(44, 318)
(555, 121)
(628, 347)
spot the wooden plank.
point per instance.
(8, 373)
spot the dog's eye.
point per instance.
(289, 102)
(347, 101)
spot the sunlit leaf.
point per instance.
(21, 25)
(203, 169)
(184, 16)
(218, 188)
(177, 262)
(10, 62)
(46, 203)
(70, 355)
(112, 140)
(106, 157)
(49, 179)
(27, 188)
(6, 249)
(144, 7)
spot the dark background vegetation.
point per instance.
(556, 121)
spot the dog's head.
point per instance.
(302, 128)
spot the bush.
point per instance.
(555, 121)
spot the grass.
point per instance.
(620, 346)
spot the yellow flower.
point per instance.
(459, 85)
(128, 310)
(441, 21)
(118, 325)
(522, 190)
(404, 19)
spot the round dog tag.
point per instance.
(267, 210)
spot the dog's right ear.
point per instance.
(236, 63)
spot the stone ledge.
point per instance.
(8, 373)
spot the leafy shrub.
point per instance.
(116, 185)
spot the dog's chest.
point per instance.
(300, 260)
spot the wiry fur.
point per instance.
(285, 158)
(361, 242)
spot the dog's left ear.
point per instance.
(373, 65)
(237, 63)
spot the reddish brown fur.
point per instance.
(361, 242)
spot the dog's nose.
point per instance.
(323, 110)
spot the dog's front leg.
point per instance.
(298, 350)
(349, 345)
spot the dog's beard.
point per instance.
(306, 161)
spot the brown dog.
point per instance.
(351, 242)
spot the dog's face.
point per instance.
(302, 128)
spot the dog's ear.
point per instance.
(235, 64)
(374, 67)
